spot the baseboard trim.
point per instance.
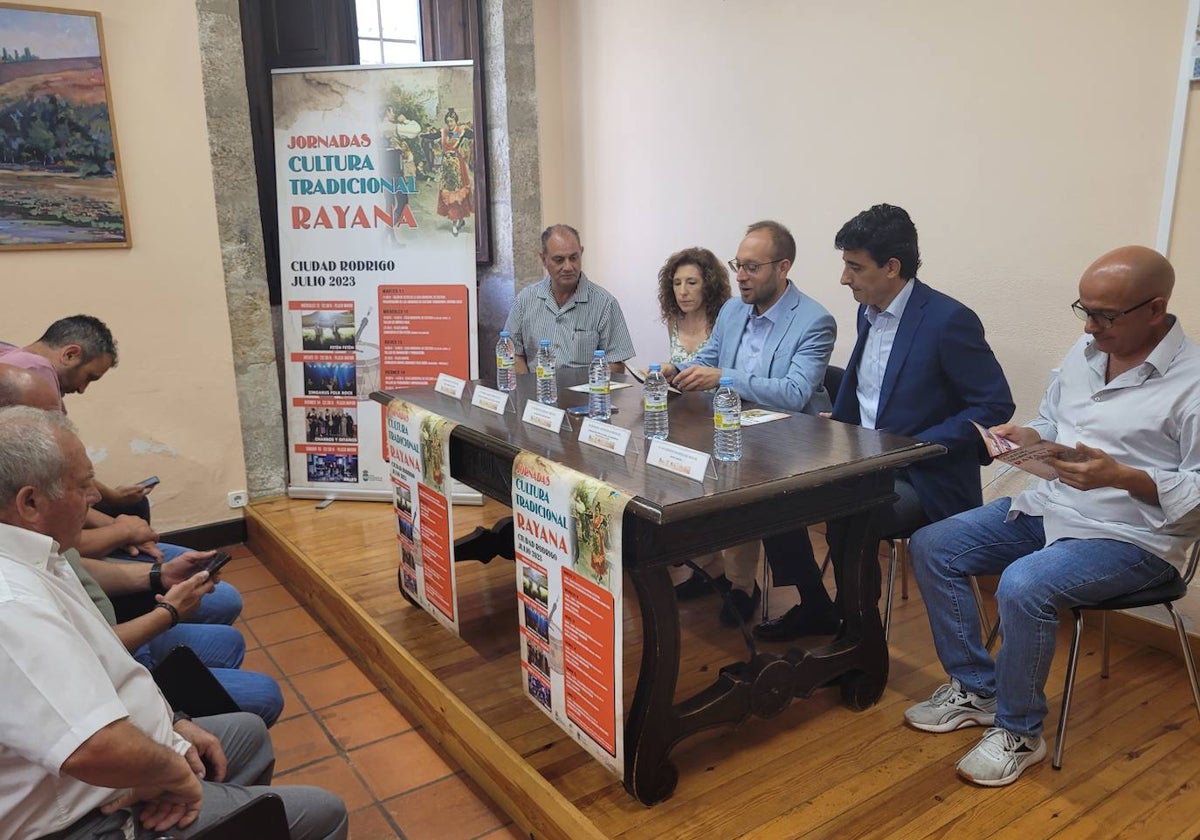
(213, 535)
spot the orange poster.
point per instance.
(423, 331)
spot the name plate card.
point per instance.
(489, 399)
(604, 435)
(449, 385)
(689, 463)
(543, 416)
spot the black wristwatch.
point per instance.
(156, 584)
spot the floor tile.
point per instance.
(283, 626)
(266, 601)
(305, 654)
(299, 741)
(371, 824)
(250, 579)
(332, 685)
(334, 775)
(509, 832)
(292, 704)
(258, 660)
(399, 764)
(356, 723)
(422, 813)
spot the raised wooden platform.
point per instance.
(817, 770)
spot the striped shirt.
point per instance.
(590, 320)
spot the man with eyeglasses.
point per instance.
(921, 367)
(1118, 518)
(774, 341)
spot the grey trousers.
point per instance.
(312, 813)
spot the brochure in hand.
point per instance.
(1033, 459)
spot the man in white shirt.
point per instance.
(84, 731)
(1123, 509)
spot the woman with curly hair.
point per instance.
(693, 285)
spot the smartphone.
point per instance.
(149, 482)
(217, 561)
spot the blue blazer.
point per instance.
(940, 376)
(791, 369)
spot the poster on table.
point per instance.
(419, 455)
(377, 256)
(568, 556)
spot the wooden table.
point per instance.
(794, 472)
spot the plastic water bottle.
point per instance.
(599, 396)
(655, 422)
(547, 384)
(506, 361)
(727, 422)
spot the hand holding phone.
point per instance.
(215, 562)
(148, 482)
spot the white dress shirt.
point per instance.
(66, 676)
(1147, 418)
(877, 349)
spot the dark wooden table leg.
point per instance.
(483, 544)
(652, 727)
(858, 596)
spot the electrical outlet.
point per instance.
(238, 498)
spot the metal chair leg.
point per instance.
(1068, 690)
(991, 631)
(1188, 659)
(901, 553)
(891, 586)
(766, 589)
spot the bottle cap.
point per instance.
(599, 354)
(726, 381)
(545, 342)
(505, 334)
(655, 366)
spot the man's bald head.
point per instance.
(1134, 270)
(26, 387)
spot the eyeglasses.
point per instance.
(751, 267)
(1104, 319)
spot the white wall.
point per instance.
(170, 407)
(1025, 138)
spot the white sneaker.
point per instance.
(952, 708)
(1000, 757)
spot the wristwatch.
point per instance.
(156, 584)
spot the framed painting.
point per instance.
(60, 175)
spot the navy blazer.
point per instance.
(791, 370)
(940, 376)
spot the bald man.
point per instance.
(1119, 517)
(19, 386)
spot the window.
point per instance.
(389, 31)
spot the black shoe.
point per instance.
(697, 587)
(738, 607)
(795, 623)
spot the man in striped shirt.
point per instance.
(578, 316)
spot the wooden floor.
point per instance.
(1132, 765)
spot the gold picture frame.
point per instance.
(60, 172)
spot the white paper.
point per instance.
(604, 435)
(612, 386)
(543, 416)
(449, 385)
(689, 463)
(489, 399)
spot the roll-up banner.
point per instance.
(377, 257)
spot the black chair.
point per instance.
(833, 381)
(259, 819)
(1165, 594)
(189, 686)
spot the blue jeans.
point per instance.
(1036, 581)
(222, 649)
(221, 606)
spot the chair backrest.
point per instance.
(189, 686)
(262, 818)
(1193, 558)
(833, 381)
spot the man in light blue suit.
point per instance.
(775, 343)
(921, 367)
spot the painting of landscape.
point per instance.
(60, 183)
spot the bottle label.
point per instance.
(545, 372)
(503, 363)
(727, 421)
(598, 387)
(654, 403)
